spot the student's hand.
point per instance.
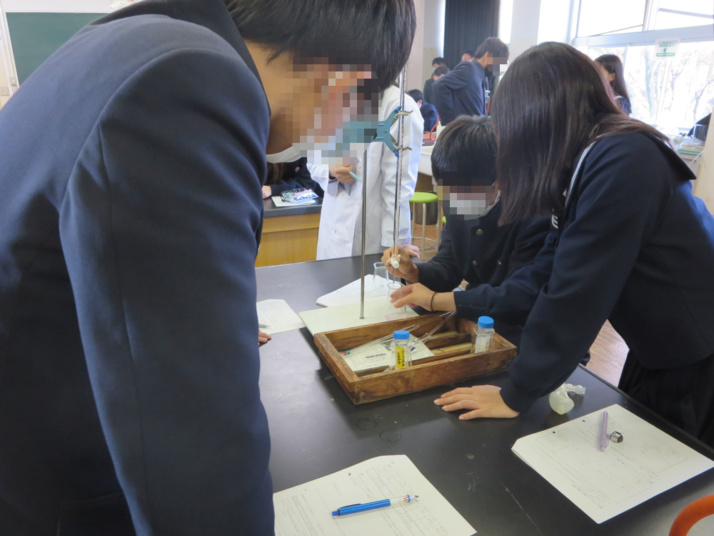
(416, 294)
(267, 192)
(342, 173)
(407, 269)
(481, 400)
(263, 337)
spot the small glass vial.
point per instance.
(483, 333)
(402, 351)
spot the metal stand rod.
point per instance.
(400, 159)
(364, 230)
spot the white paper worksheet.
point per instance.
(606, 484)
(276, 316)
(306, 510)
(380, 354)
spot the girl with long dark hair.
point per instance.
(633, 244)
(611, 68)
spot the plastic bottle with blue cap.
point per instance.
(484, 332)
(402, 351)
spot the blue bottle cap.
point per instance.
(401, 335)
(485, 322)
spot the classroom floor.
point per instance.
(608, 352)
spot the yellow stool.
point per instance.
(424, 198)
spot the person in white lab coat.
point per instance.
(340, 232)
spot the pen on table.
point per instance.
(263, 325)
(354, 508)
(604, 437)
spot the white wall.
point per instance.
(524, 26)
(433, 35)
(416, 58)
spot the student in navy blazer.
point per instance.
(130, 217)
(496, 260)
(633, 244)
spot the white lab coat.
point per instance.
(340, 232)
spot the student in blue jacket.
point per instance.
(130, 218)
(497, 261)
(633, 244)
(462, 91)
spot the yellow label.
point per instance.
(401, 357)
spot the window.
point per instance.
(671, 93)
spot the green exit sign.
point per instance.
(666, 48)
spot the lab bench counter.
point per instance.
(316, 430)
(289, 234)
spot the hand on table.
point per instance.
(407, 269)
(267, 192)
(263, 337)
(482, 400)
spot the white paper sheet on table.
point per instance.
(306, 509)
(276, 316)
(379, 354)
(279, 203)
(351, 293)
(606, 484)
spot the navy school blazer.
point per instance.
(130, 216)
(502, 265)
(635, 247)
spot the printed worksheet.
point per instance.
(379, 354)
(604, 484)
(306, 510)
(276, 316)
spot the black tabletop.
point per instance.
(271, 211)
(316, 430)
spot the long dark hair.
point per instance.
(613, 65)
(549, 106)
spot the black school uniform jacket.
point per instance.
(130, 216)
(498, 263)
(634, 246)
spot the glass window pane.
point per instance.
(679, 14)
(599, 17)
(670, 93)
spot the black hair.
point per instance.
(416, 95)
(441, 69)
(375, 33)
(495, 46)
(465, 153)
(470, 52)
(438, 61)
(549, 106)
(613, 65)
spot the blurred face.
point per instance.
(328, 96)
(468, 201)
(607, 76)
(466, 57)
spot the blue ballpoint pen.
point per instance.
(354, 508)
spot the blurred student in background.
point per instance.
(611, 68)
(427, 110)
(435, 63)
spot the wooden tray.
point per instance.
(453, 360)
